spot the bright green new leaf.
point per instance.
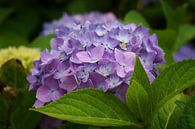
(140, 76)
(135, 17)
(137, 101)
(89, 106)
(137, 93)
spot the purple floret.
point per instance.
(73, 20)
(93, 55)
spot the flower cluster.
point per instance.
(26, 55)
(93, 55)
(186, 52)
(72, 20)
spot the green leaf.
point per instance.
(12, 73)
(140, 76)
(135, 17)
(166, 40)
(3, 112)
(42, 42)
(186, 121)
(137, 100)
(137, 93)
(167, 115)
(186, 33)
(4, 13)
(89, 106)
(173, 80)
(22, 117)
(174, 17)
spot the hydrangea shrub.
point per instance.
(93, 55)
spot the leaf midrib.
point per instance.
(169, 116)
(111, 109)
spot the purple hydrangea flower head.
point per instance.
(186, 52)
(95, 55)
(74, 20)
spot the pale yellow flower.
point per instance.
(24, 54)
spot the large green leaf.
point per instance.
(167, 115)
(137, 100)
(174, 17)
(140, 75)
(12, 73)
(137, 93)
(173, 80)
(187, 119)
(186, 33)
(135, 17)
(89, 106)
(42, 42)
(22, 117)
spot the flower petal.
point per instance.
(84, 56)
(120, 71)
(69, 83)
(43, 94)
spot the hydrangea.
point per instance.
(186, 52)
(26, 55)
(72, 20)
(93, 55)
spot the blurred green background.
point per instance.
(21, 20)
